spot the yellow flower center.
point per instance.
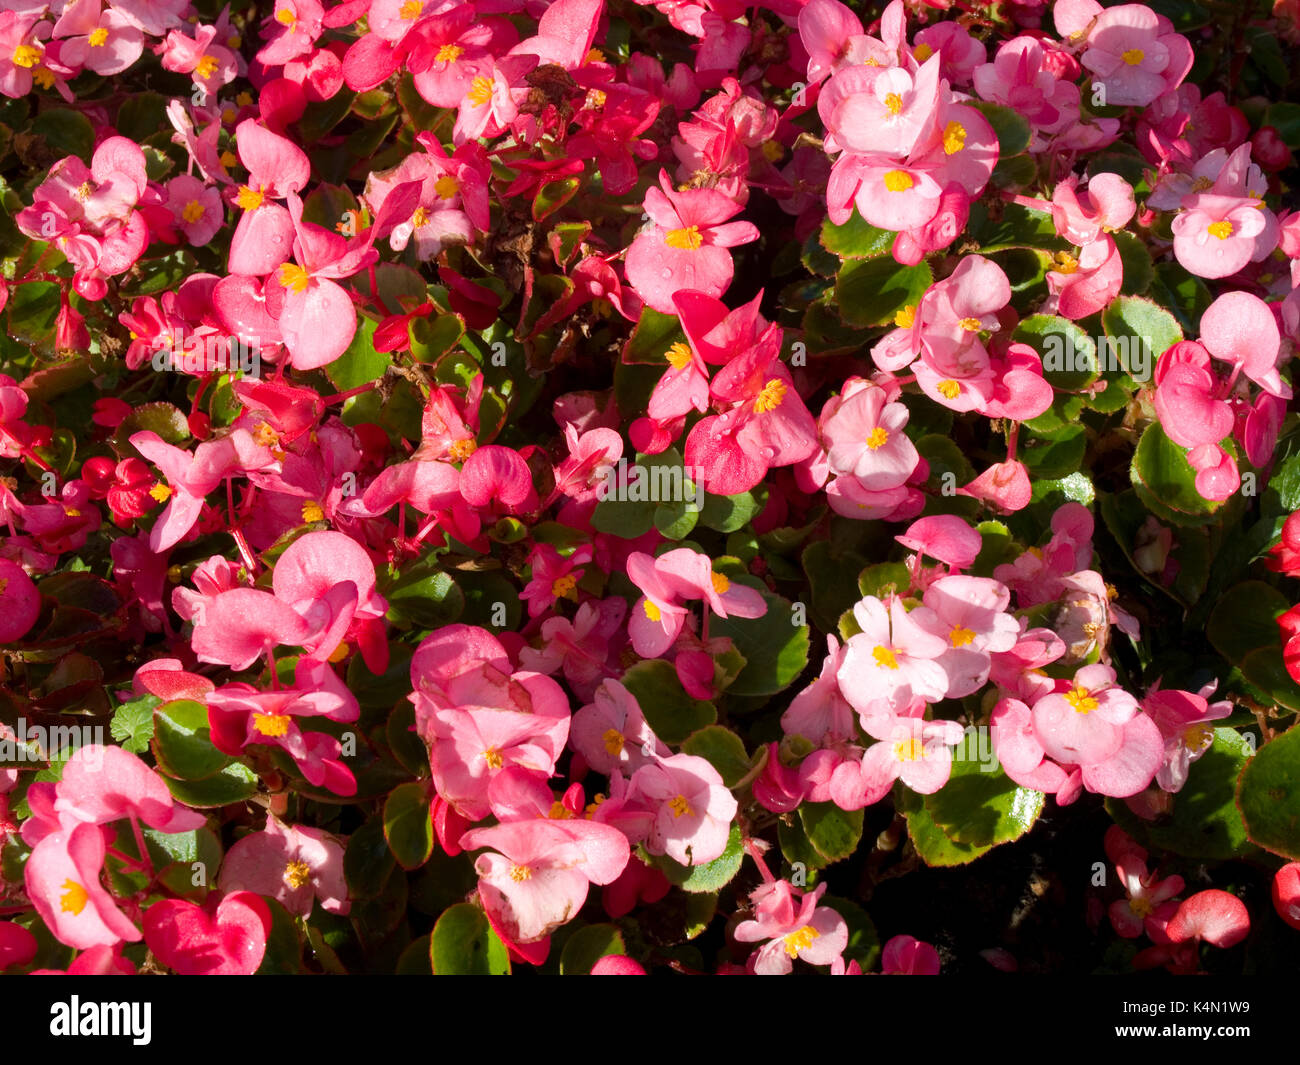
(296, 874)
(206, 67)
(954, 138)
(894, 102)
(898, 181)
(192, 211)
(449, 53)
(1081, 699)
(293, 277)
(493, 758)
(97, 37)
(271, 724)
(1222, 230)
(1202, 183)
(771, 396)
(27, 55)
(596, 99)
(480, 91)
(1197, 737)
(520, 873)
(410, 11)
(652, 611)
(949, 389)
(960, 636)
(687, 238)
(74, 898)
(460, 450)
(446, 187)
(249, 199)
(84, 191)
(906, 318)
(679, 356)
(613, 740)
(720, 582)
(563, 587)
(1065, 263)
(680, 807)
(339, 653)
(227, 159)
(922, 52)
(909, 750)
(773, 150)
(44, 77)
(265, 436)
(594, 56)
(877, 438)
(312, 511)
(1133, 56)
(800, 940)
(559, 812)
(971, 325)
(285, 17)
(160, 492)
(884, 657)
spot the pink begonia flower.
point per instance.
(637, 883)
(196, 207)
(1004, 486)
(959, 52)
(210, 65)
(796, 928)
(694, 809)
(1020, 78)
(863, 435)
(1131, 51)
(880, 112)
(1216, 235)
(1085, 285)
(612, 732)
(685, 246)
(1083, 725)
(778, 787)
(1183, 719)
(496, 475)
(62, 880)
(1020, 752)
(17, 945)
(22, 52)
(276, 168)
(235, 628)
(491, 101)
(1286, 894)
(585, 648)
(1149, 905)
(1239, 329)
(820, 712)
(892, 660)
(1081, 217)
(1214, 917)
(224, 937)
(906, 956)
(945, 537)
(1217, 477)
(536, 874)
(97, 961)
(102, 784)
(291, 31)
(479, 716)
(1186, 397)
(20, 602)
(972, 612)
(97, 39)
(911, 750)
(617, 965)
(293, 864)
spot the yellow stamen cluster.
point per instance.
(312, 511)
(771, 396)
(1133, 56)
(680, 807)
(480, 91)
(954, 138)
(652, 611)
(564, 587)
(613, 741)
(800, 940)
(446, 186)
(271, 724)
(720, 582)
(894, 103)
(520, 873)
(74, 898)
(687, 238)
(898, 180)
(679, 356)
(960, 636)
(460, 450)
(97, 37)
(909, 750)
(884, 657)
(1081, 699)
(448, 53)
(249, 199)
(1222, 230)
(949, 389)
(906, 318)
(877, 438)
(206, 67)
(294, 277)
(296, 874)
(493, 758)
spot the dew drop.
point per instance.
(768, 453)
(666, 273)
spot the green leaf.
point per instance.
(631, 505)
(552, 196)
(982, 808)
(934, 848)
(430, 601)
(1011, 128)
(360, 363)
(415, 959)
(182, 743)
(671, 713)
(1245, 619)
(368, 861)
(283, 955)
(1160, 471)
(712, 876)
(1268, 795)
(831, 593)
(1136, 260)
(66, 132)
(587, 946)
(235, 783)
(407, 825)
(833, 833)
(1204, 822)
(1055, 458)
(722, 749)
(132, 724)
(856, 239)
(775, 649)
(871, 292)
(884, 578)
(464, 944)
(1069, 354)
(728, 513)
(1131, 321)
(1183, 293)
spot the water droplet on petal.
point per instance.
(666, 273)
(768, 453)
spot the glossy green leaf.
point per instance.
(722, 749)
(982, 808)
(407, 825)
(1268, 795)
(833, 833)
(182, 742)
(671, 713)
(872, 291)
(587, 946)
(775, 648)
(464, 944)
